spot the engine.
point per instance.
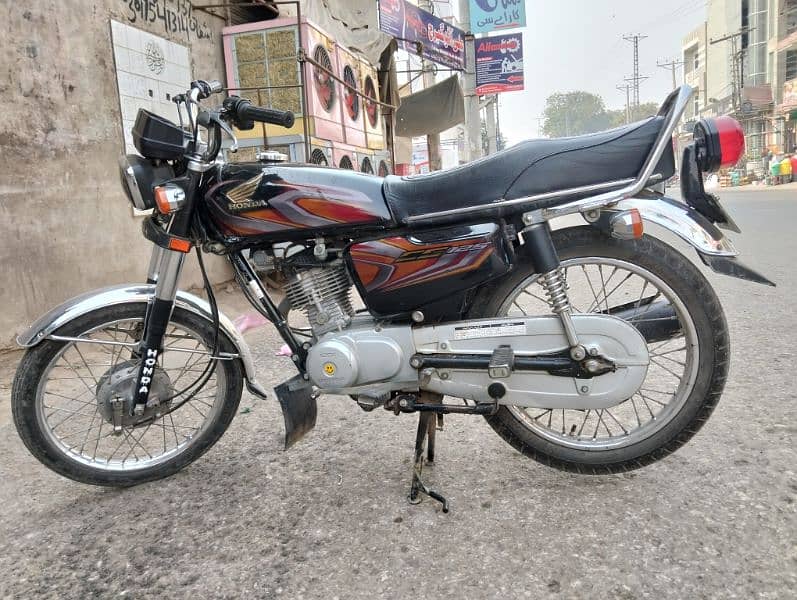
(323, 293)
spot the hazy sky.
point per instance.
(578, 45)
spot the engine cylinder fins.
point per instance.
(323, 293)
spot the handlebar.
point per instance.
(244, 114)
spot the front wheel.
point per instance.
(686, 374)
(65, 393)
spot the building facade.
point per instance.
(743, 61)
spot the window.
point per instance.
(696, 103)
(697, 60)
(791, 64)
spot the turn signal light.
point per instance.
(169, 198)
(720, 143)
(627, 225)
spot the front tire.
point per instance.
(58, 414)
(616, 446)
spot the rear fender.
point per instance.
(133, 293)
(714, 249)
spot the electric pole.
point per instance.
(490, 123)
(636, 79)
(672, 65)
(737, 64)
(627, 89)
(473, 141)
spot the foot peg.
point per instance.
(501, 362)
(298, 408)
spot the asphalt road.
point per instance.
(329, 519)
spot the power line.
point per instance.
(637, 78)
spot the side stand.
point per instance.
(427, 424)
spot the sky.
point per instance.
(578, 45)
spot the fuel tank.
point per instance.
(282, 202)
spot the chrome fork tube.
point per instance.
(154, 264)
(168, 274)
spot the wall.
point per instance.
(66, 225)
(723, 16)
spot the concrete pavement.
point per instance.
(329, 519)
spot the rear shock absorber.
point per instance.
(538, 237)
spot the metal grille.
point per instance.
(384, 170)
(366, 166)
(350, 99)
(324, 84)
(371, 108)
(345, 163)
(318, 157)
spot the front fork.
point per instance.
(164, 270)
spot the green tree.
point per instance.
(574, 113)
(644, 110)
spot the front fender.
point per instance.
(714, 249)
(131, 293)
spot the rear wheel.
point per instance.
(64, 393)
(686, 374)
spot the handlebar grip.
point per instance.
(246, 111)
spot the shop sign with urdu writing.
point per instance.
(490, 15)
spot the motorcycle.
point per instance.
(597, 348)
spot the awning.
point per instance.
(432, 110)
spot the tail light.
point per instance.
(719, 143)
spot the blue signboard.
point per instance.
(499, 64)
(489, 15)
(441, 42)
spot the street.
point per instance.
(329, 519)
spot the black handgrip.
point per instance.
(248, 112)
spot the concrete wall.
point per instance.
(67, 227)
(724, 17)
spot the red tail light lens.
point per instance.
(720, 143)
(731, 140)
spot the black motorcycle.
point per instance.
(594, 349)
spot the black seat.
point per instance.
(530, 168)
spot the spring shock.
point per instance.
(556, 290)
(555, 286)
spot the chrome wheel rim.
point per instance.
(595, 284)
(68, 412)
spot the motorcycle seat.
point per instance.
(530, 168)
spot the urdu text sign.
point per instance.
(490, 15)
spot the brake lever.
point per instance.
(207, 117)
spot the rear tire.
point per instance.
(28, 395)
(702, 305)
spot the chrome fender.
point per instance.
(130, 293)
(683, 221)
(715, 250)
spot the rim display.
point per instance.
(350, 98)
(601, 285)
(371, 107)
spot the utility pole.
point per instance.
(473, 142)
(489, 120)
(636, 79)
(627, 89)
(432, 139)
(737, 64)
(672, 65)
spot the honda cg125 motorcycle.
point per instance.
(594, 349)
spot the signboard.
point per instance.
(489, 15)
(790, 93)
(499, 64)
(441, 42)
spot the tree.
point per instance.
(644, 110)
(574, 113)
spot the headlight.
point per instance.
(139, 176)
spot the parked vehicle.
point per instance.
(594, 349)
